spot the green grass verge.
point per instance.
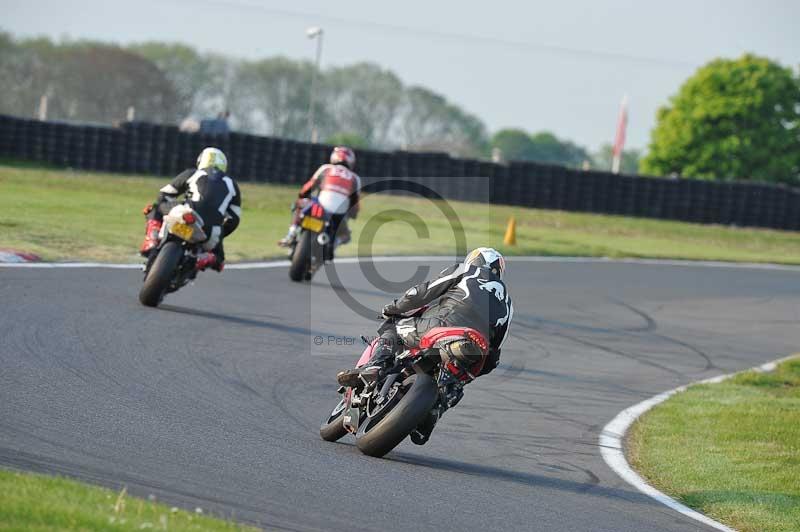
(36, 502)
(730, 450)
(66, 215)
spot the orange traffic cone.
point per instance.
(511, 233)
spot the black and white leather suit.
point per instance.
(212, 194)
(460, 297)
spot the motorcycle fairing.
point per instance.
(367, 354)
(175, 216)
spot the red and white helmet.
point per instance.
(344, 155)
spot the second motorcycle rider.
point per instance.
(339, 187)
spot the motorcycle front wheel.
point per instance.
(160, 274)
(380, 437)
(333, 429)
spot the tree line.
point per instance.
(97, 82)
(361, 104)
(734, 119)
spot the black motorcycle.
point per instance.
(408, 398)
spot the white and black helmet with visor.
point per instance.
(488, 258)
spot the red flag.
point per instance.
(619, 141)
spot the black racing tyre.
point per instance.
(160, 274)
(333, 429)
(301, 259)
(409, 412)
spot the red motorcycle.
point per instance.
(401, 400)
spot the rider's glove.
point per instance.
(390, 310)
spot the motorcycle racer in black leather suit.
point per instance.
(471, 294)
(212, 193)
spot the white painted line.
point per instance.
(662, 262)
(236, 266)
(429, 258)
(613, 435)
(46, 265)
(258, 265)
(343, 260)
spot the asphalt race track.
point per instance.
(215, 399)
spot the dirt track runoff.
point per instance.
(215, 399)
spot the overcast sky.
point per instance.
(539, 65)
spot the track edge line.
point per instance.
(278, 263)
(613, 434)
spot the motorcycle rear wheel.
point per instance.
(394, 426)
(160, 274)
(301, 259)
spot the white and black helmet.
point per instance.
(488, 258)
(212, 158)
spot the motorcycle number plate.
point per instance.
(182, 230)
(350, 419)
(312, 224)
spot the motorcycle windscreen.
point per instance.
(367, 354)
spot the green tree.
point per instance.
(542, 147)
(468, 136)
(96, 82)
(20, 84)
(200, 80)
(428, 121)
(271, 97)
(514, 145)
(351, 140)
(733, 119)
(601, 159)
(552, 150)
(363, 99)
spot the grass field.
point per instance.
(66, 215)
(40, 503)
(730, 450)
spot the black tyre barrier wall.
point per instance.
(143, 148)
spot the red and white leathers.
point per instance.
(338, 188)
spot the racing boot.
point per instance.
(343, 235)
(353, 377)
(150, 236)
(421, 434)
(288, 240)
(371, 372)
(208, 260)
(453, 393)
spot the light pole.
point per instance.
(314, 32)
